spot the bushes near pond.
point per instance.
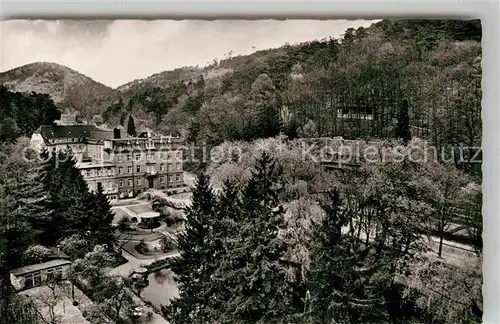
(167, 244)
(149, 224)
(172, 216)
(142, 247)
(124, 224)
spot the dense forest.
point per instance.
(355, 87)
(45, 207)
(271, 237)
(21, 114)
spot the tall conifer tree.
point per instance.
(69, 197)
(341, 280)
(262, 290)
(403, 127)
(191, 268)
(100, 219)
(22, 201)
(131, 126)
(225, 239)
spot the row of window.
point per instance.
(138, 169)
(149, 156)
(99, 172)
(139, 180)
(35, 279)
(150, 144)
(151, 168)
(65, 140)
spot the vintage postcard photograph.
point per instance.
(241, 171)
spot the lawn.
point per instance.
(139, 208)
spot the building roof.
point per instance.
(74, 131)
(39, 266)
(101, 134)
(92, 165)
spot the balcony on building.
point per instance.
(151, 173)
(97, 165)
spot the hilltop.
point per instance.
(68, 88)
(353, 87)
(319, 87)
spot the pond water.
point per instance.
(161, 288)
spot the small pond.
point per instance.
(161, 288)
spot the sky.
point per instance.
(119, 51)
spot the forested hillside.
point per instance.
(269, 236)
(21, 114)
(68, 88)
(273, 238)
(357, 86)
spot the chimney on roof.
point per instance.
(116, 133)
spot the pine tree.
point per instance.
(263, 93)
(35, 203)
(403, 127)
(225, 238)
(131, 126)
(15, 231)
(191, 268)
(341, 283)
(291, 129)
(269, 120)
(100, 219)
(262, 291)
(24, 203)
(22, 200)
(73, 199)
(69, 197)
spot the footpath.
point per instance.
(134, 263)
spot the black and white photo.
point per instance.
(241, 171)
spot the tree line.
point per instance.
(252, 252)
(21, 114)
(44, 201)
(427, 72)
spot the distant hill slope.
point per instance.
(68, 88)
(321, 86)
(317, 88)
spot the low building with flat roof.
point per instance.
(37, 274)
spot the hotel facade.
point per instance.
(124, 166)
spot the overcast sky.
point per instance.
(116, 52)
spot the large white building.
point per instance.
(123, 166)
